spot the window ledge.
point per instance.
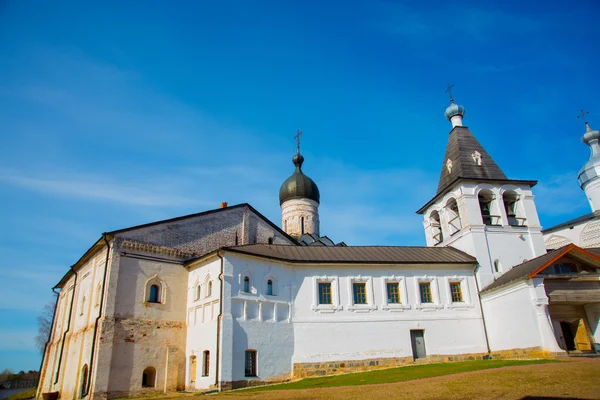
(429, 307)
(395, 307)
(247, 294)
(326, 308)
(361, 307)
(459, 306)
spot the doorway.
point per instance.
(575, 335)
(417, 340)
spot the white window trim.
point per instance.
(162, 290)
(403, 293)
(335, 294)
(435, 294)
(466, 294)
(275, 288)
(368, 281)
(247, 273)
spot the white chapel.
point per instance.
(226, 298)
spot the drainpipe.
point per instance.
(62, 346)
(91, 365)
(49, 338)
(487, 341)
(219, 322)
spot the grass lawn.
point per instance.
(27, 394)
(396, 374)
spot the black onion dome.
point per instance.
(298, 186)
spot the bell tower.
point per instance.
(477, 209)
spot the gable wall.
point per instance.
(206, 233)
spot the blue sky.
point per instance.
(122, 113)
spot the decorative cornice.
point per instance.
(132, 245)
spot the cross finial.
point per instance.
(449, 91)
(582, 116)
(297, 138)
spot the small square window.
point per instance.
(456, 292)
(425, 289)
(324, 292)
(359, 290)
(250, 363)
(393, 293)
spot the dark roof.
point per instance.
(573, 222)
(530, 268)
(357, 254)
(460, 149)
(461, 145)
(216, 210)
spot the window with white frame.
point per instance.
(436, 227)
(198, 291)
(325, 294)
(512, 209)
(155, 290)
(394, 293)
(427, 293)
(209, 289)
(270, 285)
(458, 292)
(361, 294)
(454, 222)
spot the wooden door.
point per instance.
(582, 340)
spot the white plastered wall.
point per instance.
(510, 245)
(517, 317)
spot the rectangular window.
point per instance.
(206, 366)
(425, 289)
(456, 292)
(324, 292)
(250, 363)
(393, 293)
(360, 292)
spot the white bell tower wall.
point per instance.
(507, 235)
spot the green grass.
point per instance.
(396, 374)
(27, 394)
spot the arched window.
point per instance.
(497, 266)
(436, 227)
(155, 290)
(246, 284)
(154, 296)
(149, 377)
(270, 287)
(192, 369)
(206, 363)
(511, 200)
(486, 198)
(198, 291)
(82, 305)
(209, 289)
(270, 240)
(454, 222)
(98, 295)
(83, 381)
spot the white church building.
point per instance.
(226, 298)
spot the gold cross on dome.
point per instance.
(449, 91)
(297, 138)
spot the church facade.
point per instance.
(226, 298)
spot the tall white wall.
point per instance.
(517, 317)
(290, 327)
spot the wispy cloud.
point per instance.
(419, 23)
(560, 195)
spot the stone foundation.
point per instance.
(307, 370)
(525, 353)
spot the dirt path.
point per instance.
(573, 379)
